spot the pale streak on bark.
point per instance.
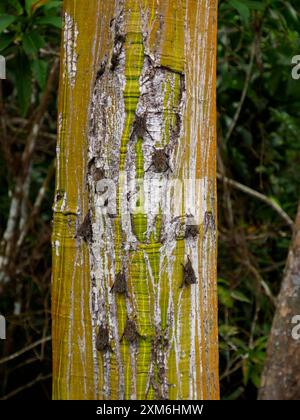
(119, 361)
(70, 45)
(71, 330)
(93, 307)
(179, 353)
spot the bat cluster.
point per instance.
(160, 159)
(130, 334)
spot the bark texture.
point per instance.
(281, 376)
(134, 280)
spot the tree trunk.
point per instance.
(281, 375)
(134, 238)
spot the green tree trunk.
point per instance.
(134, 238)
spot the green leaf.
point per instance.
(241, 8)
(223, 281)
(255, 5)
(292, 11)
(235, 394)
(5, 21)
(36, 5)
(17, 6)
(52, 4)
(55, 21)
(274, 200)
(23, 83)
(228, 330)
(245, 369)
(28, 4)
(255, 378)
(224, 297)
(39, 71)
(239, 296)
(5, 41)
(32, 42)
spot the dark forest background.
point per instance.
(258, 148)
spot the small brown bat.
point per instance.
(139, 127)
(85, 229)
(130, 332)
(102, 339)
(160, 160)
(189, 276)
(98, 174)
(191, 231)
(209, 221)
(101, 70)
(120, 284)
(118, 45)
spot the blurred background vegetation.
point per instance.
(258, 146)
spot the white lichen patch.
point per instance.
(56, 246)
(70, 47)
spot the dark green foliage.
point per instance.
(262, 153)
(24, 32)
(29, 40)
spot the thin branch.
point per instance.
(25, 349)
(246, 261)
(39, 378)
(259, 196)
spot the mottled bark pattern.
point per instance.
(281, 376)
